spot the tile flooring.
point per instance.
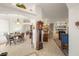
(24, 49)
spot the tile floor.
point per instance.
(24, 49)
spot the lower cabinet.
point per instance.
(45, 37)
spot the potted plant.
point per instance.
(20, 5)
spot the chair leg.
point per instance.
(14, 41)
(7, 43)
(20, 39)
(10, 43)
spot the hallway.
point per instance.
(25, 49)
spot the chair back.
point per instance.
(7, 36)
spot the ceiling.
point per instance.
(54, 11)
(9, 8)
(51, 11)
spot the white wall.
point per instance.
(4, 26)
(14, 26)
(39, 13)
(73, 30)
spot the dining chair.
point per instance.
(10, 39)
(7, 37)
(21, 37)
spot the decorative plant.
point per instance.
(20, 5)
